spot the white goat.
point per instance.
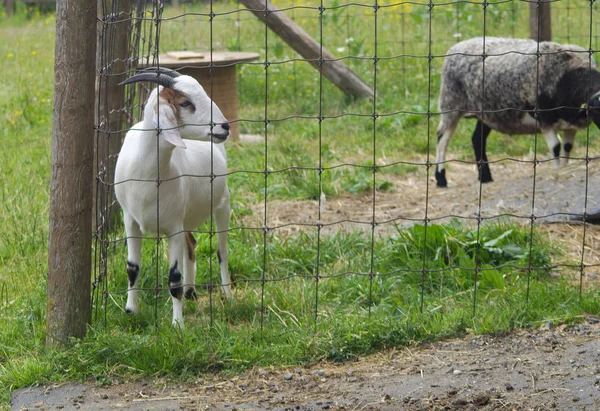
(169, 177)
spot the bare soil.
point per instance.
(553, 367)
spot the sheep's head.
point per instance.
(181, 109)
(593, 106)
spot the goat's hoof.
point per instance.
(190, 294)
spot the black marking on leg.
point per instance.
(440, 134)
(128, 311)
(556, 150)
(175, 282)
(219, 256)
(440, 178)
(479, 141)
(568, 147)
(133, 270)
(190, 294)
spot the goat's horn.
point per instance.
(162, 70)
(162, 79)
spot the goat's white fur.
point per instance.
(182, 158)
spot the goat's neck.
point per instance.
(157, 151)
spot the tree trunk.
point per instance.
(70, 231)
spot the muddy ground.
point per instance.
(552, 367)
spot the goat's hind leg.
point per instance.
(134, 247)
(222, 216)
(189, 271)
(177, 248)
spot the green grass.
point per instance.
(411, 286)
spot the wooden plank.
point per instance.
(70, 230)
(540, 20)
(334, 70)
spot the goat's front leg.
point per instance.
(222, 216)
(176, 249)
(134, 247)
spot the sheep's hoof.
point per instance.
(485, 178)
(190, 294)
(440, 178)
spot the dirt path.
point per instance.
(513, 194)
(551, 368)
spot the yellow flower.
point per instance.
(33, 53)
(17, 112)
(10, 55)
(44, 100)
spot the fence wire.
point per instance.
(135, 35)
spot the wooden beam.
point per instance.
(70, 230)
(540, 20)
(334, 70)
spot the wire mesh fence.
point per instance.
(336, 198)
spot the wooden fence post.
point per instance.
(333, 69)
(70, 231)
(540, 21)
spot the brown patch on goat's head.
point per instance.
(176, 98)
(191, 245)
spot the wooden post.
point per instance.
(540, 21)
(334, 70)
(9, 6)
(70, 231)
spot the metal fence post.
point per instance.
(71, 195)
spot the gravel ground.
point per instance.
(550, 368)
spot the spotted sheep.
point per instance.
(512, 90)
(170, 176)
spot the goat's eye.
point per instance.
(186, 104)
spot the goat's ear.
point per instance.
(165, 118)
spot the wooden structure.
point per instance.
(217, 73)
(333, 69)
(71, 198)
(540, 21)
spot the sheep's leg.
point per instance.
(553, 144)
(177, 247)
(444, 133)
(479, 140)
(134, 247)
(567, 146)
(222, 215)
(189, 271)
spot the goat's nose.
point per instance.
(225, 126)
